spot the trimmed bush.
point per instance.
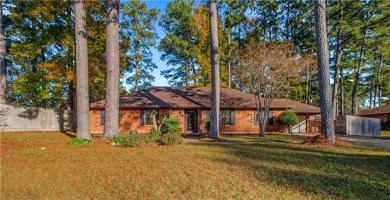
(153, 136)
(208, 124)
(80, 141)
(117, 140)
(172, 126)
(171, 139)
(131, 140)
(288, 119)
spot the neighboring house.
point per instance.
(191, 106)
(381, 112)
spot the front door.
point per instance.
(191, 121)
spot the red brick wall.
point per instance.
(202, 118)
(94, 121)
(244, 122)
(130, 120)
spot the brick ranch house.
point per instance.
(191, 105)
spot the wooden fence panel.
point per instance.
(355, 125)
(32, 119)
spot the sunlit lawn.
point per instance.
(43, 166)
(385, 134)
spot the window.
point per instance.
(270, 118)
(145, 117)
(227, 117)
(102, 117)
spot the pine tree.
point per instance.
(81, 70)
(215, 88)
(3, 69)
(111, 127)
(203, 51)
(139, 26)
(327, 119)
(179, 42)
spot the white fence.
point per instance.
(32, 119)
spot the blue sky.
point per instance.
(160, 80)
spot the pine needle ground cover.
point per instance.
(42, 165)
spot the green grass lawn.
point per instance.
(385, 134)
(42, 166)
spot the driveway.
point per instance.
(376, 142)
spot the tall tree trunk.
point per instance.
(288, 21)
(307, 93)
(379, 85)
(375, 95)
(136, 76)
(229, 35)
(380, 96)
(342, 96)
(327, 119)
(111, 127)
(81, 70)
(262, 129)
(288, 88)
(229, 61)
(215, 99)
(370, 89)
(187, 73)
(339, 56)
(72, 104)
(3, 69)
(357, 76)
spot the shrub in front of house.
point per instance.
(117, 140)
(288, 119)
(153, 136)
(131, 140)
(172, 126)
(80, 141)
(208, 124)
(170, 139)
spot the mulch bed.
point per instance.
(321, 141)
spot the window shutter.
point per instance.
(256, 118)
(142, 117)
(232, 117)
(102, 117)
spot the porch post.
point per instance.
(307, 123)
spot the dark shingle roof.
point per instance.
(384, 109)
(198, 97)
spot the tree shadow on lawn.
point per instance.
(314, 171)
(295, 139)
